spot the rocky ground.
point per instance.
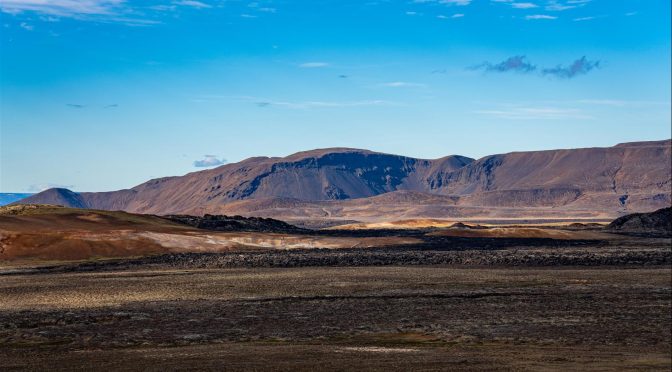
(603, 305)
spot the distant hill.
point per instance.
(58, 196)
(8, 198)
(605, 182)
(657, 223)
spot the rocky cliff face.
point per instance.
(626, 177)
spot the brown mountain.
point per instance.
(349, 183)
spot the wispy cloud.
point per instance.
(46, 186)
(263, 102)
(535, 113)
(555, 6)
(444, 2)
(193, 4)
(63, 8)
(314, 64)
(579, 67)
(109, 11)
(456, 15)
(112, 11)
(26, 26)
(622, 103)
(320, 104)
(583, 19)
(209, 161)
(401, 84)
(82, 106)
(515, 63)
(540, 16)
(524, 5)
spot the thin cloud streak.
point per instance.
(540, 16)
(402, 84)
(46, 186)
(321, 104)
(314, 64)
(535, 113)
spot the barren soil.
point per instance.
(162, 316)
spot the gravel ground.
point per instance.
(335, 318)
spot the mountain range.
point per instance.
(345, 183)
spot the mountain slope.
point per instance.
(619, 175)
(57, 196)
(607, 181)
(327, 174)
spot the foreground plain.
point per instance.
(335, 318)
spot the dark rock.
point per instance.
(658, 223)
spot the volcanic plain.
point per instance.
(86, 289)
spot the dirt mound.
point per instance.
(654, 223)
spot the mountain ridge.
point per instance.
(632, 176)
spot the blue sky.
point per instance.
(104, 94)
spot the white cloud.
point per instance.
(63, 8)
(314, 64)
(456, 15)
(116, 11)
(539, 16)
(524, 5)
(26, 26)
(209, 161)
(456, 2)
(581, 19)
(46, 186)
(193, 4)
(559, 7)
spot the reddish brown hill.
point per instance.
(635, 175)
(327, 174)
(350, 183)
